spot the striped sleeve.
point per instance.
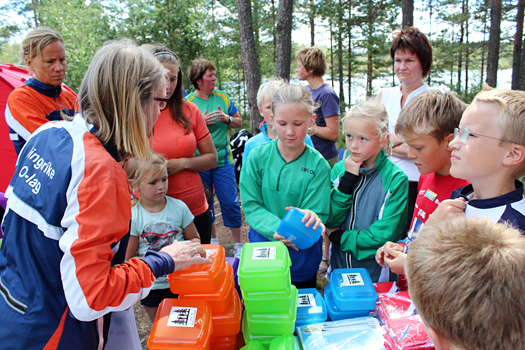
(96, 218)
(24, 113)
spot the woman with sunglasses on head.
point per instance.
(67, 222)
(180, 130)
(41, 98)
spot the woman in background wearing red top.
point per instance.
(180, 130)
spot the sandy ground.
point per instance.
(225, 238)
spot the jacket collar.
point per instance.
(379, 162)
(504, 199)
(44, 89)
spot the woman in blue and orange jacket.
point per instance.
(42, 98)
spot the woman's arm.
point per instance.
(205, 161)
(190, 233)
(331, 130)
(236, 122)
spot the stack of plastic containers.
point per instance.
(269, 297)
(215, 284)
(350, 294)
(310, 307)
(181, 325)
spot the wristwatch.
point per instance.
(231, 120)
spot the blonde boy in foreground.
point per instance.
(466, 280)
(489, 151)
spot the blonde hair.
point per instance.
(121, 79)
(466, 279)
(267, 90)
(138, 170)
(432, 113)
(36, 40)
(375, 113)
(295, 94)
(510, 105)
(197, 70)
(313, 58)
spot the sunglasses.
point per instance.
(163, 102)
(464, 134)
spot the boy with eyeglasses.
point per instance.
(489, 151)
(427, 126)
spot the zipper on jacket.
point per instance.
(357, 191)
(11, 301)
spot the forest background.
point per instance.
(251, 41)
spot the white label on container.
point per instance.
(352, 279)
(208, 253)
(260, 253)
(372, 323)
(306, 300)
(182, 316)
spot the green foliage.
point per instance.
(84, 28)
(9, 53)
(209, 28)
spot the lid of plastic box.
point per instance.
(248, 336)
(181, 324)
(213, 251)
(233, 311)
(226, 286)
(292, 227)
(337, 314)
(310, 306)
(284, 342)
(286, 317)
(264, 257)
(353, 289)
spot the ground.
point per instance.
(225, 238)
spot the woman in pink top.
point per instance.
(179, 132)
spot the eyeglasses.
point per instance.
(163, 102)
(464, 134)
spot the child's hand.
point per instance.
(311, 218)
(352, 166)
(381, 252)
(449, 208)
(395, 260)
(287, 242)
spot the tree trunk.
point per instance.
(516, 58)
(349, 27)
(430, 8)
(522, 71)
(466, 50)
(460, 51)
(312, 22)
(408, 13)
(483, 47)
(35, 13)
(250, 61)
(494, 38)
(340, 54)
(283, 45)
(274, 32)
(332, 76)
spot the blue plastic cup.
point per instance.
(292, 228)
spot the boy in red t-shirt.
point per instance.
(427, 125)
